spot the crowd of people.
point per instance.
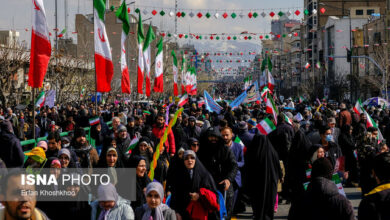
(212, 165)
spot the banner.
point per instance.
(238, 100)
(252, 93)
(211, 105)
(50, 98)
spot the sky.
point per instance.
(18, 16)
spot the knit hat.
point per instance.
(43, 145)
(121, 128)
(189, 152)
(242, 125)
(252, 121)
(56, 163)
(155, 186)
(64, 151)
(322, 167)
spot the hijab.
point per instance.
(158, 211)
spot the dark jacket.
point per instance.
(333, 152)
(239, 155)
(245, 137)
(375, 205)
(322, 201)
(281, 139)
(11, 151)
(219, 161)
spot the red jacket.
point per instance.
(207, 203)
(170, 143)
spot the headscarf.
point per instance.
(107, 193)
(155, 186)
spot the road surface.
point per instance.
(353, 194)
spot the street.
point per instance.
(353, 194)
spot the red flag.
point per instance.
(40, 46)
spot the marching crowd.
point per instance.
(212, 165)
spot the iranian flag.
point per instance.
(307, 66)
(147, 58)
(188, 79)
(183, 100)
(141, 66)
(301, 99)
(358, 108)
(174, 70)
(159, 81)
(40, 46)
(133, 144)
(94, 121)
(266, 126)
(124, 17)
(62, 33)
(287, 119)
(271, 107)
(318, 65)
(193, 89)
(371, 123)
(271, 82)
(264, 91)
(246, 82)
(103, 60)
(40, 102)
(183, 75)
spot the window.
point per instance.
(359, 12)
(370, 11)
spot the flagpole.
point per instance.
(33, 113)
(96, 108)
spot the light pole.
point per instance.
(350, 42)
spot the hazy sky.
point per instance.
(16, 14)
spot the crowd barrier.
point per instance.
(87, 131)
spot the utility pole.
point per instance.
(66, 18)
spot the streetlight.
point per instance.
(350, 39)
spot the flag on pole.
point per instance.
(94, 121)
(183, 100)
(266, 126)
(133, 144)
(103, 60)
(371, 123)
(271, 82)
(183, 74)
(318, 65)
(141, 65)
(147, 58)
(264, 91)
(124, 17)
(307, 66)
(159, 80)
(358, 108)
(271, 107)
(174, 70)
(301, 99)
(62, 33)
(40, 46)
(287, 119)
(193, 87)
(40, 102)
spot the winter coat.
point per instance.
(11, 151)
(246, 137)
(239, 155)
(281, 139)
(375, 204)
(206, 203)
(169, 143)
(322, 201)
(169, 214)
(122, 210)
